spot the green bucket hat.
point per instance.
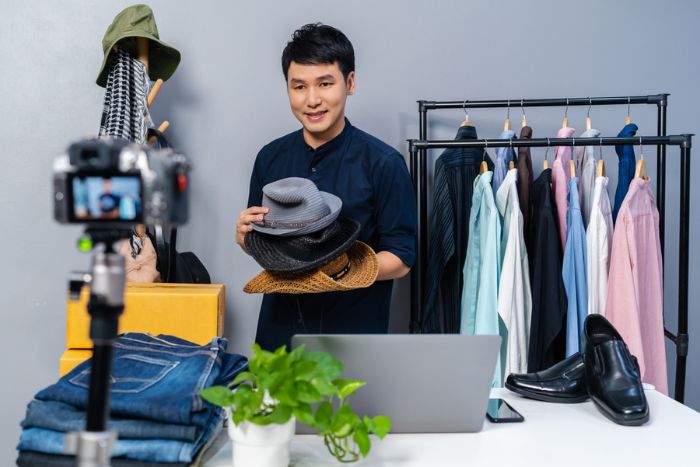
(138, 21)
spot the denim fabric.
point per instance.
(59, 416)
(39, 459)
(574, 271)
(148, 450)
(627, 164)
(155, 378)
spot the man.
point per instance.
(369, 176)
(108, 202)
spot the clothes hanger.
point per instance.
(628, 120)
(506, 122)
(466, 121)
(523, 120)
(545, 164)
(142, 54)
(588, 114)
(600, 169)
(511, 164)
(641, 169)
(484, 166)
(565, 120)
(572, 165)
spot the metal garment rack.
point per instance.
(418, 151)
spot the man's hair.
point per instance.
(317, 43)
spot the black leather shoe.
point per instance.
(612, 375)
(563, 382)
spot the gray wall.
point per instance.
(228, 99)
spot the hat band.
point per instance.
(339, 275)
(289, 225)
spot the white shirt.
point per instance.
(598, 244)
(585, 170)
(514, 293)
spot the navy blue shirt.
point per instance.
(372, 180)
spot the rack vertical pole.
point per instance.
(683, 256)
(416, 283)
(661, 107)
(423, 203)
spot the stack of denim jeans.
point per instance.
(155, 406)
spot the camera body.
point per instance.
(114, 183)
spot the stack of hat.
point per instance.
(304, 246)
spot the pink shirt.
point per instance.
(560, 181)
(635, 287)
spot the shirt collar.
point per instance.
(331, 145)
(466, 132)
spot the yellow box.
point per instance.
(194, 312)
(72, 358)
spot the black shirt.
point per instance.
(455, 171)
(372, 180)
(549, 305)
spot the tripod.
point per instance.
(93, 446)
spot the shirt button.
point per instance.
(313, 169)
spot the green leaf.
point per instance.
(305, 392)
(298, 353)
(368, 422)
(218, 395)
(243, 376)
(343, 421)
(323, 416)
(361, 438)
(281, 414)
(324, 386)
(238, 417)
(286, 394)
(381, 426)
(304, 370)
(328, 366)
(347, 386)
(304, 414)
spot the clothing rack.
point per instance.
(418, 151)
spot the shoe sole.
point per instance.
(546, 398)
(636, 420)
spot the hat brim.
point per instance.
(331, 200)
(300, 254)
(163, 59)
(363, 273)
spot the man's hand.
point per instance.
(390, 266)
(252, 214)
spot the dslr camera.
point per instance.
(114, 183)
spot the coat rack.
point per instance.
(418, 166)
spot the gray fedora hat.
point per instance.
(296, 207)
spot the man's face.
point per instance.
(317, 95)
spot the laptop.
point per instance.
(424, 383)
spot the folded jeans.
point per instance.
(155, 377)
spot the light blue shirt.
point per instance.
(503, 157)
(574, 271)
(482, 267)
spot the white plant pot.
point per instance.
(261, 446)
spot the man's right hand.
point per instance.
(252, 214)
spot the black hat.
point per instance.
(302, 253)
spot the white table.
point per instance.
(561, 435)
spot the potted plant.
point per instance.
(281, 387)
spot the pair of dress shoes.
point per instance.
(604, 370)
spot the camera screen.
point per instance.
(109, 198)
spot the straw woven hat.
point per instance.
(355, 269)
